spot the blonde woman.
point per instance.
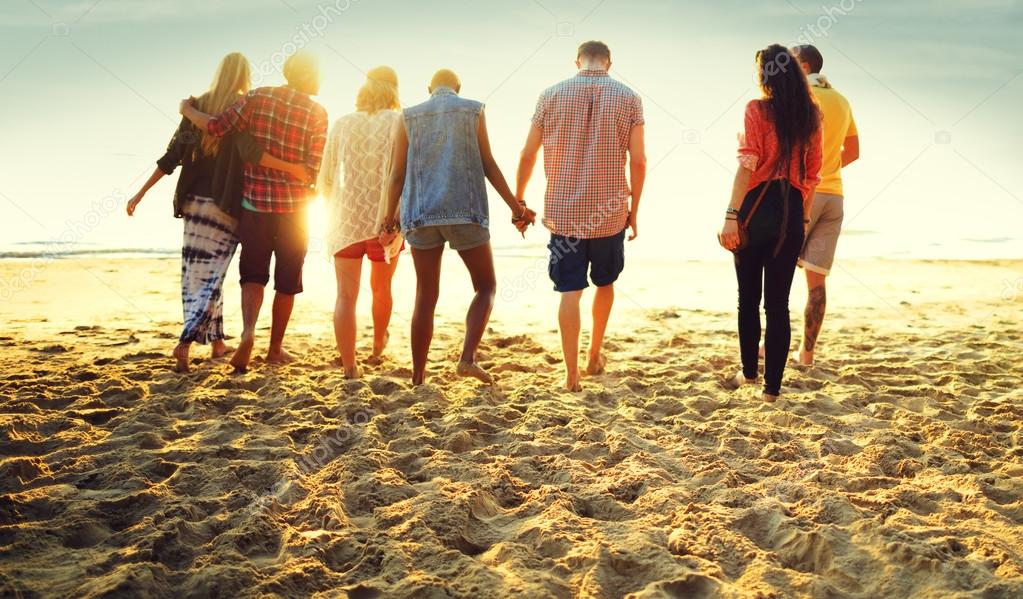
(352, 179)
(207, 197)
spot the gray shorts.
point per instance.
(822, 237)
(459, 237)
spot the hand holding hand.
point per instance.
(728, 237)
(524, 218)
(388, 232)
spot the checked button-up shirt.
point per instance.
(289, 125)
(586, 123)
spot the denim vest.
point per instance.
(444, 179)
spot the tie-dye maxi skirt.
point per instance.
(209, 244)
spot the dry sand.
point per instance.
(892, 469)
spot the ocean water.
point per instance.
(854, 243)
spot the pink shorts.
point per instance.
(370, 248)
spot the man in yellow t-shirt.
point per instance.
(840, 147)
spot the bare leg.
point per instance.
(181, 357)
(570, 323)
(383, 303)
(252, 301)
(480, 262)
(348, 272)
(283, 304)
(602, 302)
(427, 264)
(813, 316)
(220, 349)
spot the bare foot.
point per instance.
(596, 366)
(472, 369)
(181, 357)
(242, 355)
(279, 356)
(220, 349)
(350, 373)
(770, 398)
(572, 383)
(418, 378)
(739, 380)
(380, 345)
(805, 358)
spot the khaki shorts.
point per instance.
(822, 237)
(459, 237)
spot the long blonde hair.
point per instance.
(379, 92)
(233, 79)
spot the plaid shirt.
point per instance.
(290, 126)
(586, 122)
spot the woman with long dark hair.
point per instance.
(779, 167)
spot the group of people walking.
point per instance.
(252, 160)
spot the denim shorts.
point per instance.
(571, 257)
(459, 237)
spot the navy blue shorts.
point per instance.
(571, 257)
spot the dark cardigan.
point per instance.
(220, 177)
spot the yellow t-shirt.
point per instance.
(838, 125)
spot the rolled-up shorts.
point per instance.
(285, 237)
(459, 237)
(369, 248)
(571, 257)
(818, 253)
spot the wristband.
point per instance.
(731, 211)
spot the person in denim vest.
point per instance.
(441, 158)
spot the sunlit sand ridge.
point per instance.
(891, 469)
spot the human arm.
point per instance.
(729, 235)
(750, 150)
(851, 144)
(316, 141)
(183, 140)
(395, 184)
(522, 216)
(814, 162)
(527, 161)
(251, 151)
(235, 118)
(637, 174)
(330, 163)
(850, 150)
(153, 178)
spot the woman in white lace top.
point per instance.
(352, 181)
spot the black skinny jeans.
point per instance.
(760, 272)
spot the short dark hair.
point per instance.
(811, 56)
(594, 49)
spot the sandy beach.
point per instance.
(893, 468)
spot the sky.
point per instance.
(90, 89)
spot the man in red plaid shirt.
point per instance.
(586, 126)
(292, 127)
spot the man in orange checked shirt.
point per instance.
(586, 126)
(840, 148)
